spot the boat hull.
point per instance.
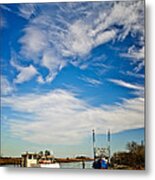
(53, 165)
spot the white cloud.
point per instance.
(59, 117)
(105, 37)
(25, 73)
(79, 41)
(138, 89)
(27, 10)
(126, 84)
(53, 63)
(124, 14)
(128, 15)
(40, 80)
(139, 66)
(36, 46)
(75, 30)
(34, 42)
(129, 73)
(91, 81)
(6, 87)
(134, 53)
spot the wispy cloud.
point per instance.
(25, 73)
(34, 42)
(75, 30)
(5, 8)
(139, 67)
(126, 84)
(3, 23)
(134, 74)
(73, 35)
(52, 62)
(134, 53)
(60, 117)
(27, 10)
(91, 81)
(6, 87)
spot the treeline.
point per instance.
(133, 159)
(10, 160)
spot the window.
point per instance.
(30, 156)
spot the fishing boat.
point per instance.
(31, 159)
(48, 162)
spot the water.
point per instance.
(74, 165)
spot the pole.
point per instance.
(94, 153)
(109, 138)
(83, 164)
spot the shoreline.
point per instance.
(18, 160)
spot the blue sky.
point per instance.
(68, 68)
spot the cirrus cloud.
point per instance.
(75, 29)
(60, 117)
(6, 87)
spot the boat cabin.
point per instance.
(29, 159)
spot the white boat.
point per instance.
(52, 165)
(35, 160)
(48, 162)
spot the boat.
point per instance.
(48, 162)
(35, 160)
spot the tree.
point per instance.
(134, 158)
(132, 146)
(137, 154)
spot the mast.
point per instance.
(94, 152)
(108, 139)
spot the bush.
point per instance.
(135, 157)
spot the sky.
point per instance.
(68, 68)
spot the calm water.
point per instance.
(76, 165)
